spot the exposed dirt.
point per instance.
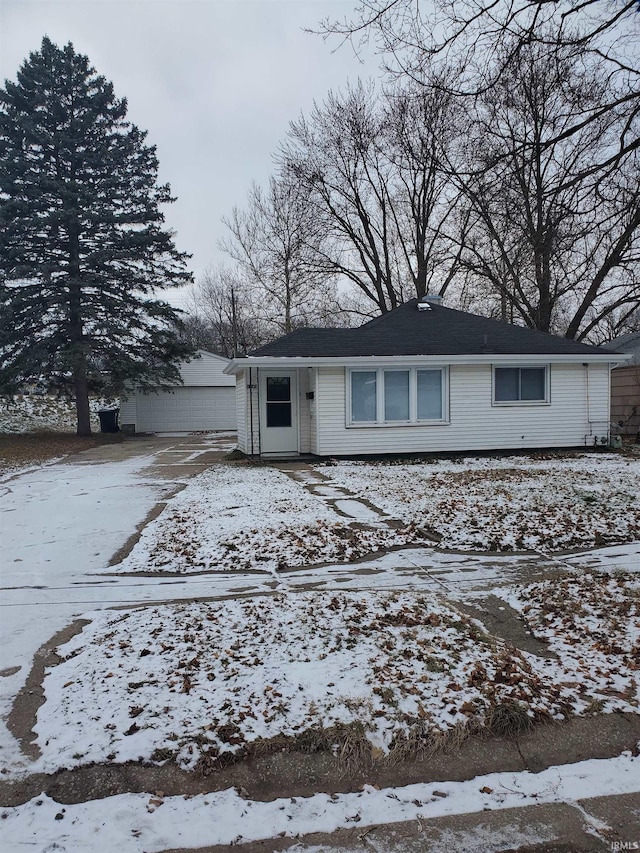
(22, 716)
(298, 772)
(504, 622)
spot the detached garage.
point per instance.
(206, 401)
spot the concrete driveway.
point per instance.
(63, 521)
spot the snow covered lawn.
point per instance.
(30, 412)
(348, 671)
(592, 622)
(512, 503)
(239, 517)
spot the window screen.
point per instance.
(429, 392)
(519, 383)
(396, 395)
(363, 396)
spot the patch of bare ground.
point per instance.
(35, 448)
(337, 761)
(22, 716)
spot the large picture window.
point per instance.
(520, 385)
(388, 396)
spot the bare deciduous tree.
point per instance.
(335, 154)
(482, 38)
(554, 226)
(222, 315)
(420, 129)
(275, 242)
(371, 169)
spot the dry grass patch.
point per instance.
(24, 450)
(213, 683)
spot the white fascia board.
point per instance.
(621, 359)
(290, 362)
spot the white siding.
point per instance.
(597, 389)
(313, 409)
(241, 410)
(252, 412)
(304, 422)
(205, 400)
(572, 418)
(128, 411)
(206, 371)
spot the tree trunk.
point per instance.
(76, 333)
(82, 401)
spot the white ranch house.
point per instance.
(422, 378)
(204, 401)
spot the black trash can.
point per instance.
(109, 420)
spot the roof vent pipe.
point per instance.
(433, 298)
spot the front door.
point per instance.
(278, 411)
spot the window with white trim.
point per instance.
(521, 384)
(394, 396)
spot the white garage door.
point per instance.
(187, 409)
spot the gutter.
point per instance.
(239, 364)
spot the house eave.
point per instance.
(237, 365)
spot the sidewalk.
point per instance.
(599, 825)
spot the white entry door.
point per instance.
(279, 411)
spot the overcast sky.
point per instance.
(214, 82)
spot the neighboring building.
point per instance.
(206, 400)
(625, 386)
(422, 378)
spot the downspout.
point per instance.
(588, 403)
(609, 436)
(258, 404)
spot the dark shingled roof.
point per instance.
(629, 344)
(410, 331)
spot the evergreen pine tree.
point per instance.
(83, 249)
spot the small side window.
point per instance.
(520, 384)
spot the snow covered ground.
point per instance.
(192, 682)
(377, 646)
(235, 518)
(130, 823)
(239, 517)
(31, 412)
(513, 503)
(58, 524)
